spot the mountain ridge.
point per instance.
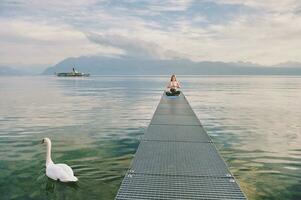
(101, 65)
(10, 71)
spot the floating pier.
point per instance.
(176, 159)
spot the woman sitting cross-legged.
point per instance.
(173, 86)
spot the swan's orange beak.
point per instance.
(42, 142)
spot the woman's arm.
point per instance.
(169, 85)
(178, 85)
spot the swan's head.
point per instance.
(46, 140)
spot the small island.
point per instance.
(74, 73)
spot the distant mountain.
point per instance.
(132, 66)
(289, 64)
(8, 71)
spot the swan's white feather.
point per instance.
(66, 168)
(61, 172)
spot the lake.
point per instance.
(95, 124)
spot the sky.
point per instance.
(42, 32)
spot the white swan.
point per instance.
(61, 172)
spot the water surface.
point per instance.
(95, 124)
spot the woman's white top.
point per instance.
(173, 84)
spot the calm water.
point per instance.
(95, 124)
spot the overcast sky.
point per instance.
(44, 32)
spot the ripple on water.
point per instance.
(95, 124)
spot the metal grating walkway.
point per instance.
(177, 160)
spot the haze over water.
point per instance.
(95, 124)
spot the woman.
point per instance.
(172, 86)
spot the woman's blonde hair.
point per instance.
(173, 76)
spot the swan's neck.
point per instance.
(48, 154)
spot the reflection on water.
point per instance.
(95, 124)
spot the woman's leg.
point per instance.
(168, 93)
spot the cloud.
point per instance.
(132, 46)
(267, 5)
(39, 32)
(26, 42)
(169, 5)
